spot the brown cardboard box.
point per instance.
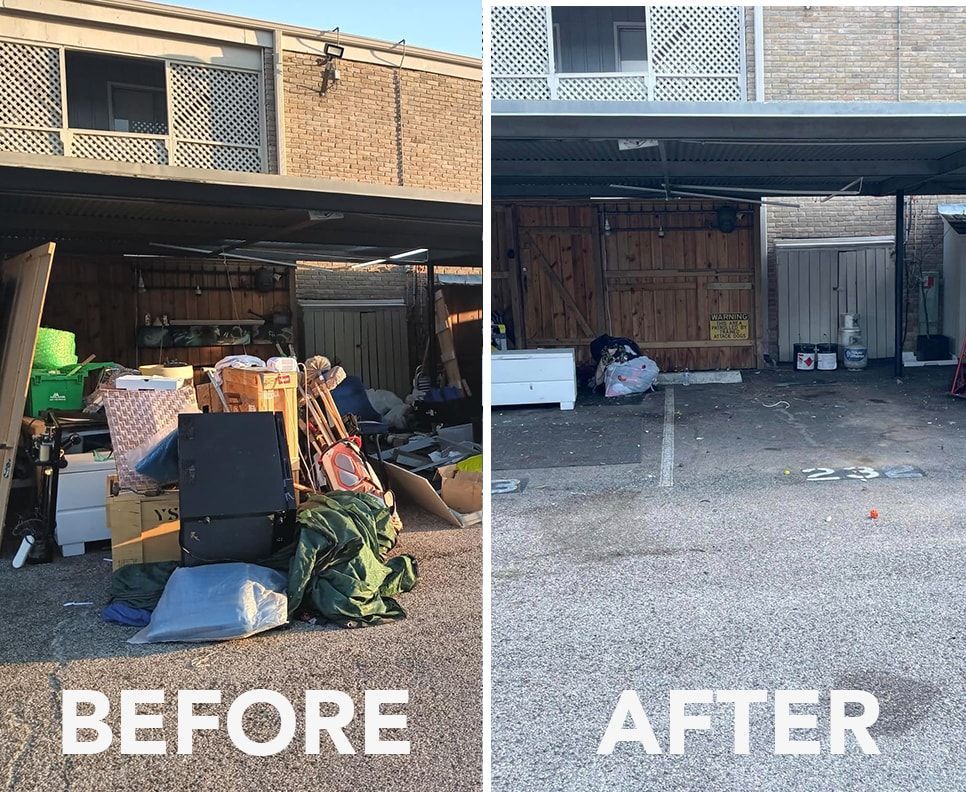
(263, 390)
(144, 528)
(417, 489)
(462, 490)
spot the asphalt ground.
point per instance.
(435, 653)
(737, 576)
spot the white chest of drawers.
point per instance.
(534, 376)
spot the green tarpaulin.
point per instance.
(338, 569)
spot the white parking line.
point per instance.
(667, 442)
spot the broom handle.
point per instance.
(80, 365)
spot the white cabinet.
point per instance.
(534, 376)
(81, 497)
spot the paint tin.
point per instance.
(804, 357)
(826, 357)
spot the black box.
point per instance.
(932, 347)
(237, 499)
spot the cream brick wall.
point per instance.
(326, 281)
(383, 125)
(857, 54)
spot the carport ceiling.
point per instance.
(555, 149)
(88, 212)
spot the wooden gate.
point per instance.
(664, 274)
(368, 340)
(560, 275)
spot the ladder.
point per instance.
(959, 379)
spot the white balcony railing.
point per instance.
(604, 87)
(215, 115)
(118, 146)
(694, 53)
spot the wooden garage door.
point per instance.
(560, 275)
(661, 273)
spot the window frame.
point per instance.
(555, 33)
(111, 85)
(618, 26)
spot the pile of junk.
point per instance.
(241, 497)
(620, 368)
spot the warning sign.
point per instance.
(729, 327)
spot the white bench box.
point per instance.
(534, 376)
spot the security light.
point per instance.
(330, 71)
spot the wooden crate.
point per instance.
(262, 390)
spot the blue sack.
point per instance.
(161, 462)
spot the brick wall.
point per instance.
(328, 281)
(857, 54)
(383, 125)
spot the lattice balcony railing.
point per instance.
(216, 115)
(119, 146)
(694, 54)
(603, 87)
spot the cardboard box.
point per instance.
(264, 390)
(462, 490)
(144, 528)
(418, 490)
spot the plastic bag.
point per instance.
(217, 602)
(634, 376)
(235, 361)
(157, 456)
(161, 462)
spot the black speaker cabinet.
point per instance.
(237, 498)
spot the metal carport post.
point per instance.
(900, 277)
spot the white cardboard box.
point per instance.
(153, 382)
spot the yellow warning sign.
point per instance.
(729, 327)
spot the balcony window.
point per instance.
(116, 94)
(137, 108)
(630, 45)
(599, 39)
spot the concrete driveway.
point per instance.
(734, 574)
(435, 653)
